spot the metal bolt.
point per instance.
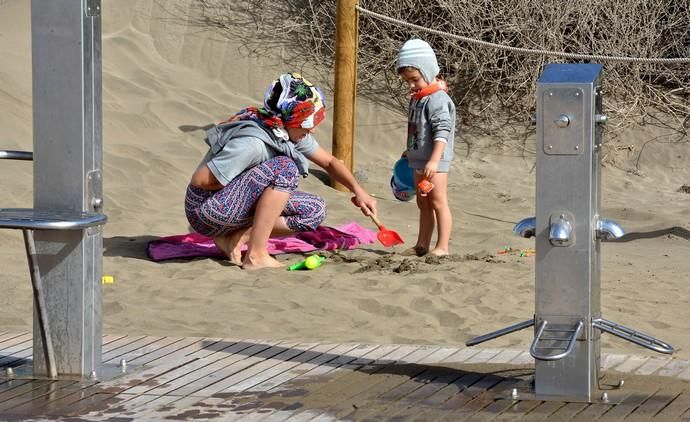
(620, 383)
(577, 147)
(123, 365)
(10, 373)
(550, 147)
(577, 94)
(93, 375)
(605, 397)
(514, 394)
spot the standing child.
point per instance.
(430, 136)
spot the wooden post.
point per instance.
(346, 36)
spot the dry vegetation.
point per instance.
(493, 88)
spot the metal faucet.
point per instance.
(526, 227)
(608, 229)
(560, 231)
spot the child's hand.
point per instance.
(430, 169)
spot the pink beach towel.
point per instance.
(191, 245)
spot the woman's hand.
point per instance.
(365, 202)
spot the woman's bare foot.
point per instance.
(231, 244)
(439, 252)
(414, 251)
(255, 263)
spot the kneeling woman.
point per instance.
(245, 188)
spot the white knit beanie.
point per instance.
(418, 54)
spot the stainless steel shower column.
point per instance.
(66, 62)
(568, 230)
(567, 291)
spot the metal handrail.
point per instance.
(498, 333)
(16, 155)
(569, 348)
(632, 336)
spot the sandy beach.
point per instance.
(163, 81)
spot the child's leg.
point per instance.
(444, 219)
(427, 222)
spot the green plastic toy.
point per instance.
(310, 263)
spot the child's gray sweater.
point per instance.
(429, 118)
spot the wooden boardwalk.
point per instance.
(173, 378)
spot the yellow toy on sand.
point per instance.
(309, 263)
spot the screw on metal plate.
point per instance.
(93, 7)
(620, 383)
(10, 373)
(514, 394)
(93, 376)
(605, 397)
(123, 365)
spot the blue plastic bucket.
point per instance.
(402, 181)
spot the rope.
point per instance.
(593, 57)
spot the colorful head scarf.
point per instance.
(290, 102)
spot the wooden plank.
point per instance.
(243, 369)
(311, 359)
(483, 356)
(610, 360)
(654, 404)
(322, 365)
(8, 339)
(518, 410)
(139, 354)
(462, 355)
(106, 393)
(652, 365)
(673, 368)
(411, 403)
(172, 350)
(631, 364)
(389, 383)
(344, 377)
(203, 358)
(675, 409)
(17, 354)
(214, 369)
(447, 392)
(569, 411)
(542, 411)
(31, 391)
(485, 400)
(593, 411)
(505, 356)
(621, 410)
(439, 355)
(40, 404)
(131, 350)
(9, 385)
(282, 363)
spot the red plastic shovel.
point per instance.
(387, 237)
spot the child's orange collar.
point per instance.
(437, 85)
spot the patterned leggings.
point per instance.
(217, 213)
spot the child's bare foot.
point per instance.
(231, 244)
(414, 251)
(256, 263)
(439, 252)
